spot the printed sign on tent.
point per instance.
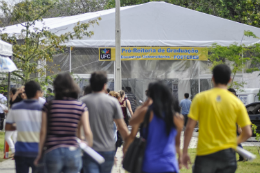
(155, 53)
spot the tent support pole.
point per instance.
(118, 77)
(199, 76)
(70, 60)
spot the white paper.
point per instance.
(92, 153)
(246, 154)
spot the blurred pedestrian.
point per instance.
(27, 117)
(3, 108)
(239, 130)
(49, 95)
(217, 111)
(87, 90)
(16, 96)
(125, 106)
(131, 97)
(42, 100)
(185, 107)
(62, 117)
(103, 111)
(162, 131)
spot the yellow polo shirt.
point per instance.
(217, 111)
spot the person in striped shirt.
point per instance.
(27, 116)
(63, 117)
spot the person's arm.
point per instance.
(129, 107)
(187, 137)
(21, 90)
(43, 134)
(139, 114)
(122, 128)
(86, 128)
(10, 122)
(179, 122)
(130, 138)
(246, 133)
(244, 122)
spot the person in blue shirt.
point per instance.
(185, 107)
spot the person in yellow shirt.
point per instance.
(217, 111)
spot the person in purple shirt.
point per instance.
(185, 107)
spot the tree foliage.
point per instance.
(237, 56)
(34, 46)
(243, 11)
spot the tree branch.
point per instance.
(18, 56)
(18, 75)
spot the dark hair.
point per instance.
(221, 74)
(163, 103)
(13, 90)
(65, 86)
(232, 90)
(128, 89)
(31, 89)
(186, 95)
(108, 90)
(87, 90)
(98, 80)
(122, 93)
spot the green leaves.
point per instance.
(36, 46)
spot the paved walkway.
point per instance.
(9, 167)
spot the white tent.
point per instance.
(152, 24)
(5, 49)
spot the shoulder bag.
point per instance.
(133, 160)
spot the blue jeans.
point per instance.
(63, 159)
(22, 164)
(91, 166)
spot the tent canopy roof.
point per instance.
(5, 49)
(151, 24)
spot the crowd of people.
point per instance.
(47, 130)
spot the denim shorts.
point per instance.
(63, 159)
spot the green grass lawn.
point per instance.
(243, 167)
(2, 140)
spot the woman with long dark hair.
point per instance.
(162, 132)
(62, 117)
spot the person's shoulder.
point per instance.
(18, 105)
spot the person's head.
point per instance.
(122, 94)
(221, 75)
(32, 90)
(128, 89)
(233, 91)
(117, 95)
(186, 95)
(12, 91)
(22, 93)
(111, 93)
(87, 90)
(163, 103)
(65, 86)
(108, 90)
(98, 81)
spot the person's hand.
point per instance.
(148, 102)
(36, 161)
(186, 160)
(180, 162)
(21, 90)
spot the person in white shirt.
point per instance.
(3, 107)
